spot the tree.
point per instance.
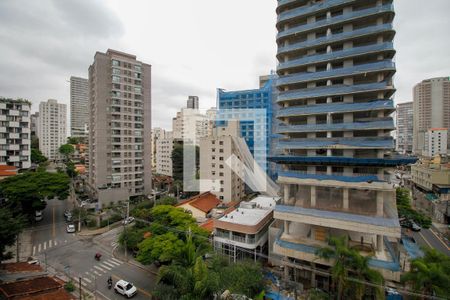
(405, 210)
(10, 227)
(73, 140)
(37, 157)
(70, 169)
(34, 142)
(242, 278)
(167, 200)
(133, 237)
(163, 248)
(66, 150)
(349, 263)
(430, 275)
(27, 192)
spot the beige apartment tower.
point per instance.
(119, 127)
(431, 109)
(52, 129)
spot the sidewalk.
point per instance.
(89, 232)
(25, 247)
(120, 254)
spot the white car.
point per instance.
(38, 215)
(128, 220)
(125, 288)
(70, 228)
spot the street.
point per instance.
(73, 255)
(430, 239)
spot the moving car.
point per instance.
(125, 288)
(70, 228)
(128, 220)
(38, 215)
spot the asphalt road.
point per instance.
(430, 239)
(73, 255)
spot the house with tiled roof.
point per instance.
(7, 171)
(200, 205)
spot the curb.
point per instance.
(131, 262)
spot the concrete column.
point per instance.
(313, 275)
(380, 243)
(380, 200)
(286, 193)
(286, 227)
(313, 196)
(345, 199)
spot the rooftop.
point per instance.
(251, 212)
(204, 202)
(8, 170)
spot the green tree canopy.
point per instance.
(10, 227)
(70, 169)
(167, 200)
(37, 157)
(66, 150)
(27, 192)
(405, 210)
(73, 140)
(430, 275)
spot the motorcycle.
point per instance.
(109, 283)
(97, 256)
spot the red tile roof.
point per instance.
(29, 287)
(20, 267)
(7, 170)
(204, 202)
(60, 294)
(208, 225)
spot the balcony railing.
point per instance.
(380, 66)
(325, 143)
(345, 17)
(336, 37)
(355, 177)
(384, 123)
(344, 160)
(334, 90)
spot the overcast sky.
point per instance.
(194, 46)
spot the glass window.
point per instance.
(115, 62)
(116, 78)
(116, 71)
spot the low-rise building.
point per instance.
(431, 187)
(200, 205)
(243, 232)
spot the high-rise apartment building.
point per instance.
(404, 138)
(191, 124)
(192, 102)
(255, 128)
(157, 133)
(435, 142)
(214, 152)
(52, 128)
(15, 133)
(335, 87)
(119, 127)
(431, 109)
(164, 148)
(79, 108)
(34, 118)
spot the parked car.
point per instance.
(38, 215)
(125, 288)
(415, 227)
(128, 221)
(67, 213)
(70, 228)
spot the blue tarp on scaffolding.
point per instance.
(386, 123)
(372, 143)
(394, 161)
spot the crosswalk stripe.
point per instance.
(98, 268)
(56, 243)
(83, 283)
(114, 263)
(34, 250)
(87, 279)
(96, 273)
(50, 243)
(116, 260)
(39, 248)
(109, 264)
(105, 266)
(45, 245)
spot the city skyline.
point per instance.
(202, 58)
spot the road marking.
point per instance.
(106, 267)
(83, 283)
(96, 273)
(34, 250)
(45, 245)
(88, 280)
(426, 241)
(109, 264)
(39, 248)
(445, 245)
(114, 263)
(116, 260)
(98, 268)
(50, 243)
(100, 293)
(56, 243)
(139, 289)
(54, 224)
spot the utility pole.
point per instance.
(17, 248)
(81, 295)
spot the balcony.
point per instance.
(14, 147)
(343, 160)
(338, 143)
(307, 10)
(339, 37)
(346, 17)
(369, 178)
(13, 159)
(380, 66)
(336, 90)
(337, 55)
(381, 124)
(336, 108)
(14, 135)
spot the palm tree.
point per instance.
(350, 269)
(430, 275)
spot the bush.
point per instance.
(91, 223)
(69, 286)
(113, 219)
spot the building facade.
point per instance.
(335, 87)
(164, 148)
(157, 133)
(192, 102)
(404, 141)
(35, 124)
(435, 142)
(214, 152)
(191, 124)
(254, 129)
(15, 133)
(52, 128)
(431, 109)
(79, 108)
(119, 127)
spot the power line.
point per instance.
(309, 268)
